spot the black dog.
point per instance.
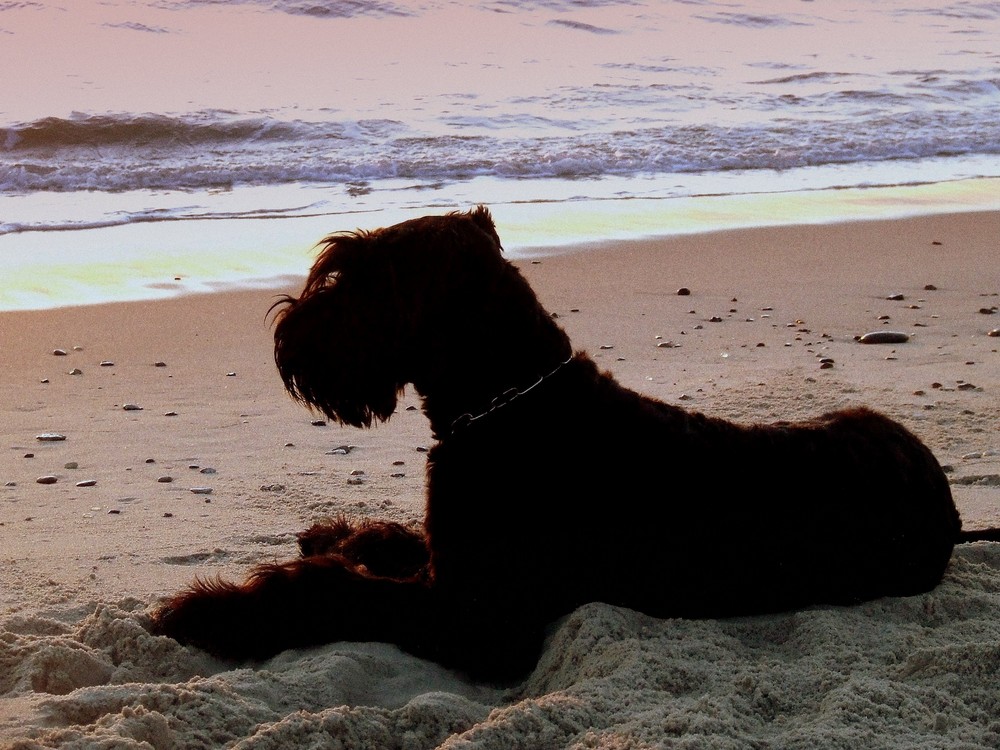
(709, 518)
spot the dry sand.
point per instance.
(81, 565)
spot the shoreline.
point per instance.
(172, 257)
(766, 306)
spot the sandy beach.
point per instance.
(181, 395)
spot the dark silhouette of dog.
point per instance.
(550, 485)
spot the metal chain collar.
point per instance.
(505, 398)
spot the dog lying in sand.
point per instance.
(712, 518)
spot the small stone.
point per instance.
(272, 488)
(87, 483)
(607, 346)
(422, 449)
(230, 374)
(50, 437)
(289, 445)
(930, 288)
(29, 455)
(150, 460)
(340, 450)
(399, 463)
(59, 352)
(159, 364)
(318, 423)
(411, 408)
(208, 470)
(966, 387)
(131, 407)
(44, 380)
(168, 515)
(47, 479)
(884, 337)
(355, 480)
(667, 345)
(201, 490)
(358, 473)
(165, 479)
(76, 371)
(10, 484)
(107, 363)
(988, 310)
(397, 475)
(71, 465)
(715, 319)
(114, 512)
(683, 292)
(826, 365)
(170, 414)
(995, 332)
(896, 297)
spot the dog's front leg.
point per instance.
(305, 602)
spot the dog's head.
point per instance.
(375, 305)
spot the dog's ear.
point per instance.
(339, 346)
(482, 218)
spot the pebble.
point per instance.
(107, 363)
(114, 512)
(29, 455)
(897, 297)
(201, 490)
(76, 371)
(10, 484)
(355, 480)
(71, 465)
(50, 437)
(340, 450)
(47, 479)
(930, 288)
(988, 310)
(87, 483)
(683, 292)
(399, 463)
(666, 345)
(607, 346)
(165, 479)
(422, 449)
(131, 407)
(995, 332)
(59, 352)
(884, 337)
(272, 488)
(208, 470)
(358, 473)
(230, 374)
(397, 475)
(170, 414)
(159, 364)
(44, 380)
(318, 423)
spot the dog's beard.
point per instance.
(334, 358)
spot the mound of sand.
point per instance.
(917, 672)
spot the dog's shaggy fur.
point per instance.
(711, 518)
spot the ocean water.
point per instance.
(151, 147)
